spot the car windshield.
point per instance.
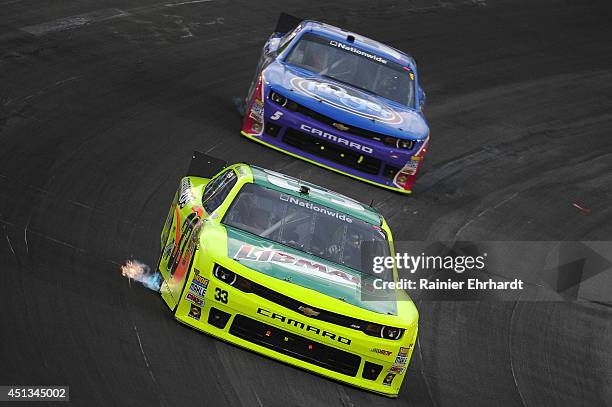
(311, 228)
(352, 66)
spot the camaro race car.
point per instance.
(283, 268)
(341, 101)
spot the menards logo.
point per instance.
(295, 263)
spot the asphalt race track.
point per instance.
(102, 103)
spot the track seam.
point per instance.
(510, 352)
(433, 401)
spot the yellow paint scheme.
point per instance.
(212, 248)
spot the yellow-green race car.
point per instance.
(283, 267)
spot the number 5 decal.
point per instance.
(277, 115)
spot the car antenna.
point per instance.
(372, 203)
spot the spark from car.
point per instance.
(136, 270)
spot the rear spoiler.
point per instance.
(287, 22)
(205, 166)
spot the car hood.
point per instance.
(348, 105)
(297, 267)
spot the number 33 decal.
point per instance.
(221, 295)
(277, 115)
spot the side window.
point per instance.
(218, 189)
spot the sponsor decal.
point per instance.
(257, 111)
(357, 51)
(389, 379)
(168, 248)
(195, 312)
(194, 299)
(185, 194)
(311, 206)
(197, 289)
(411, 167)
(295, 263)
(397, 369)
(347, 99)
(287, 182)
(179, 251)
(381, 351)
(200, 280)
(305, 327)
(336, 139)
(400, 360)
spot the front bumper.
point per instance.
(321, 144)
(254, 323)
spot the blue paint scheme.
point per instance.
(296, 84)
(278, 77)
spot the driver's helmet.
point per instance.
(353, 239)
(248, 213)
(313, 59)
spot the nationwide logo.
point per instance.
(295, 263)
(303, 326)
(358, 51)
(347, 99)
(311, 206)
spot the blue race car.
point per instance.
(340, 101)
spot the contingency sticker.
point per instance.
(199, 285)
(402, 356)
(397, 369)
(195, 312)
(194, 299)
(411, 167)
(257, 111)
(389, 379)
